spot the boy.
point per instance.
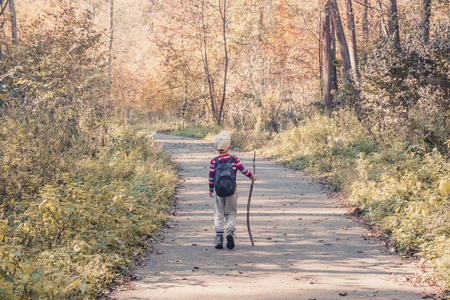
(225, 207)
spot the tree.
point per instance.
(340, 35)
(327, 55)
(425, 13)
(110, 37)
(393, 28)
(352, 40)
(365, 21)
(223, 16)
(206, 65)
(12, 11)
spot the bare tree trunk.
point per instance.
(393, 28)
(340, 37)
(321, 49)
(334, 86)
(352, 40)
(425, 14)
(365, 21)
(12, 10)
(206, 67)
(383, 29)
(110, 37)
(261, 23)
(327, 55)
(223, 15)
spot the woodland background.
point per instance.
(354, 92)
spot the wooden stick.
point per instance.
(248, 203)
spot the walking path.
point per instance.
(306, 245)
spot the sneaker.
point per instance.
(219, 241)
(230, 239)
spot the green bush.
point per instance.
(323, 144)
(197, 130)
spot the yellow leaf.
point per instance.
(72, 286)
(444, 187)
(418, 185)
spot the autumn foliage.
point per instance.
(259, 68)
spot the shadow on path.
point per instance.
(306, 246)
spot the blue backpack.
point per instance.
(225, 182)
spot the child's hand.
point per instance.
(254, 178)
(211, 194)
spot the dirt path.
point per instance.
(306, 246)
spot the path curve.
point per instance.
(306, 245)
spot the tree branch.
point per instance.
(368, 6)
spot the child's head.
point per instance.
(222, 143)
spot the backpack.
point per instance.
(225, 182)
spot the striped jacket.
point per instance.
(236, 164)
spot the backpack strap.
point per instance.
(230, 160)
(216, 159)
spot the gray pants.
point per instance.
(225, 208)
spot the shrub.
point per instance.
(406, 91)
(90, 222)
(79, 194)
(399, 187)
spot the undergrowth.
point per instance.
(400, 188)
(86, 225)
(196, 130)
(81, 191)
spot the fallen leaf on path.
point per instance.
(157, 251)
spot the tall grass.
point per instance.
(400, 188)
(69, 238)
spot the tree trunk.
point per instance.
(321, 50)
(110, 37)
(393, 22)
(340, 37)
(383, 30)
(261, 23)
(206, 66)
(12, 10)
(334, 86)
(223, 15)
(365, 21)
(352, 40)
(327, 55)
(425, 14)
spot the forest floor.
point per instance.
(307, 244)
